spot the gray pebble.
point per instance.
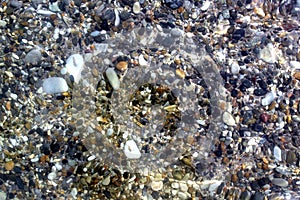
(280, 182)
(113, 78)
(33, 57)
(54, 85)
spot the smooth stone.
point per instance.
(33, 57)
(131, 150)
(74, 193)
(228, 119)
(291, 157)
(267, 100)
(280, 182)
(2, 23)
(106, 180)
(74, 65)
(175, 185)
(213, 187)
(157, 185)
(268, 54)
(183, 195)
(113, 78)
(235, 68)
(52, 176)
(183, 187)
(295, 64)
(277, 153)
(136, 8)
(205, 5)
(54, 85)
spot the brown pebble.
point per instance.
(177, 61)
(8, 105)
(225, 160)
(272, 105)
(95, 72)
(265, 117)
(9, 165)
(27, 125)
(297, 76)
(234, 178)
(122, 65)
(180, 73)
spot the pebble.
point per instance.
(106, 180)
(295, 64)
(205, 5)
(131, 150)
(136, 8)
(2, 23)
(74, 193)
(52, 176)
(175, 185)
(235, 68)
(268, 54)
(9, 165)
(280, 182)
(183, 195)
(183, 187)
(277, 153)
(267, 100)
(33, 57)
(157, 185)
(3, 195)
(54, 85)
(142, 60)
(228, 119)
(74, 65)
(213, 187)
(122, 65)
(291, 157)
(297, 76)
(113, 78)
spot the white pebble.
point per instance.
(183, 187)
(235, 68)
(142, 60)
(113, 78)
(136, 8)
(205, 6)
(295, 64)
(54, 85)
(63, 70)
(268, 99)
(213, 187)
(228, 119)
(74, 65)
(277, 153)
(52, 176)
(131, 150)
(74, 193)
(157, 185)
(268, 54)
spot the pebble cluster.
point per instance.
(48, 48)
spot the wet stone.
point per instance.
(33, 57)
(260, 92)
(174, 4)
(291, 157)
(238, 34)
(280, 182)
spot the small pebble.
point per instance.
(113, 78)
(267, 100)
(122, 65)
(228, 119)
(295, 64)
(183, 187)
(52, 176)
(131, 150)
(33, 57)
(180, 73)
(9, 165)
(235, 68)
(157, 185)
(277, 153)
(54, 85)
(136, 8)
(297, 76)
(280, 182)
(268, 54)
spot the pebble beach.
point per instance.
(150, 100)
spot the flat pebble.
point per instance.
(182, 195)
(295, 64)
(213, 187)
(228, 119)
(136, 8)
(268, 54)
(235, 68)
(54, 85)
(277, 153)
(280, 182)
(113, 78)
(267, 100)
(52, 176)
(183, 187)
(33, 57)
(131, 150)
(157, 185)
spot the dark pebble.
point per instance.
(255, 186)
(258, 196)
(124, 15)
(238, 34)
(174, 4)
(262, 84)
(291, 157)
(54, 147)
(263, 181)
(245, 195)
(257, 127)
(246, 83)
(260, 92)
(234, 93)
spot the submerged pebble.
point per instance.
(54, 85)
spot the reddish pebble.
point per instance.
(265, 117)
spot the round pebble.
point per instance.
(157, 185)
